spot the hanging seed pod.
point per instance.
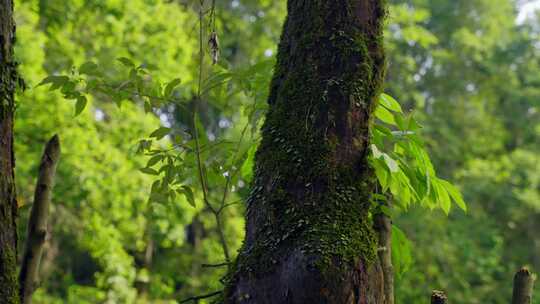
(213, 43)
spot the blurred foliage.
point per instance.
(470, 74)
(473, 81)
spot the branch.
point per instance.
(523, 287)
(37, 223)
(202, 177)
(197, 298)
(215, 265)
(438, 297)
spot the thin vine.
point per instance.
(202, 177)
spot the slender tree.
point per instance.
(383, 226)
(9, 291)
(37, 223)
(309, 237)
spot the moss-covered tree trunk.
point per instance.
(309, 238)
(9, 291)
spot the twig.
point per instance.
(197, 298)
(230, 204)
(37, 223)
(202, 176)
(219, 225)
(523, 287)
(215, 265)
(140, 94)
(223, 203)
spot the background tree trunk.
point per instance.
(383, 226)
(9, 291)
(37, 223)
(523, 287)
(308, 235)
(438, 297)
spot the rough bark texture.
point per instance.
(438, 297)
(308, 235)
(9, 290)
(37, 223)
(523, 287)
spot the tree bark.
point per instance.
(309, 238)
(523, 287)
(9, 291)
(37, 223)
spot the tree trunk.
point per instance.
(309, 238)
(37, 223)
(523, 287)
(9, 291)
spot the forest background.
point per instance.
(468, 69)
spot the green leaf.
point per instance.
(390, 103)
(391, 163)
(382, 173)
(171, 86)
(442, 195)
(455, 194)
(401, 122)
(384, 130)
(428, 184)
(154, 160)
(144, 145)
(56, 80)
(215, 80)
(395, 185)
(376, 152)
(186, 190)
(149, 171)
(413, 124)
(401, 251)
(166, 168)
(404, 196)
(379, 197)
(377, 138)
(68, 89)
(160, 132)
(387, 211)
(247, 166)
(126, 62)
(155, 191)
(147, 106)
(80, 104)
(385, 116)
(88, 68)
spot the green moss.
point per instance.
(312, 184)
(9, 293)
(9, 82)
